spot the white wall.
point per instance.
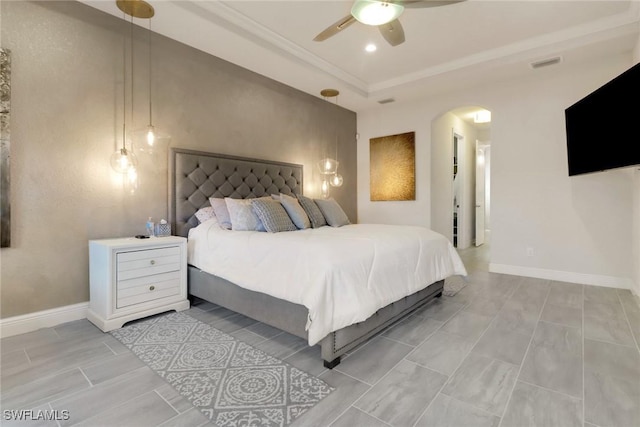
(441, 158)
(579, 227)
(376, 124)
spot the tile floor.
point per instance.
(505, 351)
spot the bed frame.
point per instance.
(194, 176)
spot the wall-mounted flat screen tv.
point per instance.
(601, 127)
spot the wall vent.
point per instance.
(387, 101)
(546, 62)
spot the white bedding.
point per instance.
(342, 275)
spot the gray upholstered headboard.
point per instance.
(194, 176)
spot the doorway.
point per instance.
(483, 192)
(458, 199)
(453, 174)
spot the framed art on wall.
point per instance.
(392, 167)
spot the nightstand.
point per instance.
(134, 278)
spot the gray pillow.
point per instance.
(314, 214)
(273, 216)
(222, 213)
(332, 212)
(295, 211)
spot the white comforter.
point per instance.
(342, 275)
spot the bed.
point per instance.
(320, 315)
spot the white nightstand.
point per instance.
(133, 278)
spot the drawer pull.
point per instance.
(153, 261)
(151, 287)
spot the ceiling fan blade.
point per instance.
(419, 4)
(335, 28)
(392, 32)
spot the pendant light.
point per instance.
(150, 136)
(330, 166)
(124, 160)
(336, 180)
(324, 189)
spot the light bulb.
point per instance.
(324, 189)
(122, 160)
(328, 166)
(375, 12)
(336, 180)
(151, 137)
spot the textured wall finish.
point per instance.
(67, 62)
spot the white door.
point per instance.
(480, 189)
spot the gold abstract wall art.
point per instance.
(393, 167)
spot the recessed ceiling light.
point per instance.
(371, 47)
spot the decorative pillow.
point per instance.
(295, 211)
(332, 212)
(242, 216)
(314, 214)
(273, 216)
(222, 213)
(205, 214)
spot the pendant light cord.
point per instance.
(124, 89)
(131, 53)
(336, 138)
(150, 69)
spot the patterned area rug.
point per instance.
(453, 285)
(232, 383)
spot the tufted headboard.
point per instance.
(194, 176)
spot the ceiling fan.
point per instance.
(382, 14)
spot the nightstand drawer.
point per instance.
(148, 288)
(148, 262)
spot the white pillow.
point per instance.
(222, 213)
(295, 211)
(205, 214)
(243, 218)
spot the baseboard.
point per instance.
(564, 276)
(42, 319)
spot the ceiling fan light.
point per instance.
(372, 12)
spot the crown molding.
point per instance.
(255, 32)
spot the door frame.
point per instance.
(460, 156)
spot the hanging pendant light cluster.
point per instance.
(328, 166)
(124, 160)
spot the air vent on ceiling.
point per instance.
(386, 101)
(546, 62)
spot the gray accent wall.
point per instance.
(67, 114)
